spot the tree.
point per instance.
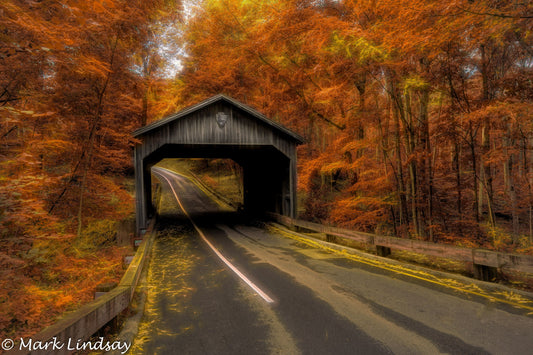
(71, 95)
(401, 102)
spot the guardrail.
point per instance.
(485, 262)
(83, 323)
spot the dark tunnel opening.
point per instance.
(265, 173)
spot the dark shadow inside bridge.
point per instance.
(266, 177)
(229, 218)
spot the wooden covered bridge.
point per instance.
(221, 127)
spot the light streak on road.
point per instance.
(253, 286)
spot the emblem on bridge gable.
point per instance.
(221, 118)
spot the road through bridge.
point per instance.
(219, 284)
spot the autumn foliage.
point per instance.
(74, 77)
(417, 114)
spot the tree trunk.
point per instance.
(146, 74)
(486, 174)
(397, 112)
(529, 168)
(477, 194)
(92, 136)
(426, 168)
(456, 161)
(509, 182)
(410, 143)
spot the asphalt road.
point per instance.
(294, 298)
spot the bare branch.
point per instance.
(493, 14)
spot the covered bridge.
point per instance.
(221, 127)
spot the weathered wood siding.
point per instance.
(201, 127)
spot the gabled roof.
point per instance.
(212, 100)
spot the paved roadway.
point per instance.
(312, 301)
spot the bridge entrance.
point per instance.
(221, 127)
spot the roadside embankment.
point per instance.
(77, 327)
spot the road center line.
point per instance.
(222, 257)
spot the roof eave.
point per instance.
(143, 130)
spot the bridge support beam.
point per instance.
(292, 212)
(142, 192)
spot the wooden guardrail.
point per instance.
(485, 262)
(79, 326)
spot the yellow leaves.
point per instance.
(369, 51)
(339, 45)
(415, 82)
(357, 47)
(513, 297)
(169, 277)
(363, 203)
(12, 111)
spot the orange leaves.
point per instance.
(409, 108)
(69, 99)
(103, 6)
(88, 65)
(365, 205)
(332, 167)
(35, 301)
